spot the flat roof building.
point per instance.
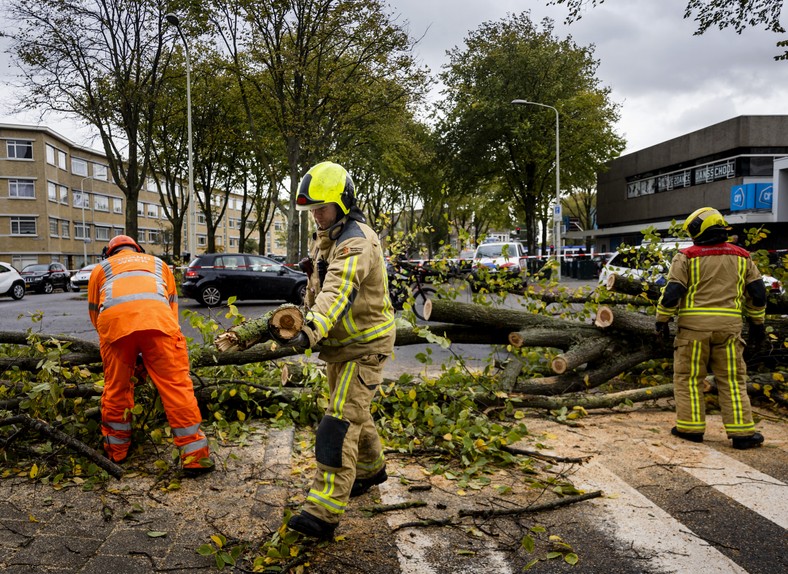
(739, 166)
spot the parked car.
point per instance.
(11, 282)
(213, 277)
(46, 277)
(500, 261)
(652, 264)
(81, 277)
(649, 261)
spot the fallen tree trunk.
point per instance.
(594, 401)
(581, 353)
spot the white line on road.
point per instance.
(637, 523)
(752, 489)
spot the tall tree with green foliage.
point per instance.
(490, 141)
(320, 70)
(102, 62)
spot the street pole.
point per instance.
(84, 230)
(557, 210)
(192, 213)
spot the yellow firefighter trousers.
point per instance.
(695, 354)
(347, 444)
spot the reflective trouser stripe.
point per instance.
(118, 426)
(109, 439)
(324, 499)
(186, 431)
(192, 446)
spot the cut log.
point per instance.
(561, 338)
(285, 322)
(629, 286)
(618, 362)
(594, 401)
(581, 353)
(447, 311)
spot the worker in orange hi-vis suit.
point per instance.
(133, 304)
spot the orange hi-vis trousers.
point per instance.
(167, 361)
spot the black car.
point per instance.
(46, 277)
(213, 277)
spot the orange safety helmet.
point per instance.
(119, 241)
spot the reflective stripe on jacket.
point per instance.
(130, 292)
(351, 312)
(715, 278)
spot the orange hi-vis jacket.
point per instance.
(128, 292)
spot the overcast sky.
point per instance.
(667, 81)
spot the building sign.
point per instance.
(673, 180)
(725, 169)
(763, 195)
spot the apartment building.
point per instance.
(58, 202)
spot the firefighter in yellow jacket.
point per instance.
(350, 313)
(133, 304)
(711, 286)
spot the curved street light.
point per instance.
(557, 211)
(192, 236)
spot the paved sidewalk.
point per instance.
(118, 529)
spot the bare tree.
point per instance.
(101, 61)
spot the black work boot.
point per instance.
(744, 442)
(206, 465)
(310, 525)
(361, 485)
(691, 436)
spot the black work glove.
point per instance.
(322, 270)
(300, 340)
(663, 330)
(756, 334)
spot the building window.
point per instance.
(153, 236)
(277, 226)
(50, 154)
(117, 205)
(79, 166)
(150, 184)
(51, 191)
(61, 159)
(22, 188)
(53, 227)
(19, 149)
(201, 218)
(64, 231)
(99, 171)
(63, 194)
(117, 231)
(233, 242)
(153, 210)
(21, 225)
(202, 240)
(102, 233)
(101, 203)
(140, 208)
(81, 199)
(81, 231)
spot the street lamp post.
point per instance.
(557, 211)
(84, 231)
(192, 223)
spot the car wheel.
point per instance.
(300, 295)
(18, 291)
(67, 287)
(210, 296)
(48, 288)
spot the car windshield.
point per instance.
(495, 251)
(36, 268)
(87, 268)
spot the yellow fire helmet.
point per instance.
(702, 219)
(326, 182)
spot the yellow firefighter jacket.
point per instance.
(711, 287)
(350, 311)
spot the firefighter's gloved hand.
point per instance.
(756, 334)
(322, 270)
(300, 340)
(663, 330)
(306, 265)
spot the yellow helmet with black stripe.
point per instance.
(703, 219)
(326, 182)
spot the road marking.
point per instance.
(752, 489)
(414, 544)
(637, 523)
